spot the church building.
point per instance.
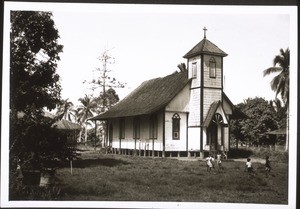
(182, 114)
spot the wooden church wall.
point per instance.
(144, 141)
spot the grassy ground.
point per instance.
(103, 177)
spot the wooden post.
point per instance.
(139, 147)
(153, 147)
(134, 147)
(178, 154)
(71, 167)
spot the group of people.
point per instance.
(210, 163)
(249, 166)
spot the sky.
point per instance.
(150, 44)
(149, 41)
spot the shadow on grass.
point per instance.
(85, 163)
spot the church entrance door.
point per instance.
(215, 133)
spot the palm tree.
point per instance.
(85, 111)
(182, 67)
(65, 110)
(280, 83)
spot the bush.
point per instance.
(275, 155)
(239, 153)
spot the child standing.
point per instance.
(268, 166)
(209, 162)
(249, 167)
(219, 161)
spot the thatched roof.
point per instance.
(63, 124)
(59, 124)
(149, 97)
(66, 125)
(205, 47)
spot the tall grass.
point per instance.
(118, 178)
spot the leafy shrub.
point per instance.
(239, 153)
(275, 155)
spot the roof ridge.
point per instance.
(205, 46)
(149, 97)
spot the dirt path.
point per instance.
(254, 160)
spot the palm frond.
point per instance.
(274, 83)
(272, 70)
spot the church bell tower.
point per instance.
(205, 69)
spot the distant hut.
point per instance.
(278, 137)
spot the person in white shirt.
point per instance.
(219, 161)
(249, 167)
(209, 162)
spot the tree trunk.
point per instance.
(236, 143)
(85, 134)
(80, 134)
(287, 131)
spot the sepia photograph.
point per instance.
(148, 105)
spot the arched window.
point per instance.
(212, 68)
(218, 119)
(194, 70)
(176, 126)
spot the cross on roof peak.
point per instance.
(204, 29)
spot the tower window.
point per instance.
(176, 126)
(212, 68)
(194, 69)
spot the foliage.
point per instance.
(107, 97)
(65, 110)
(281, 113)
(84, 112)
(280, 83)
(182, 67)
(34, 143)
(40, 145)
(34, 55)
(260, 153)
(19, 191)
(104, 80)
(106, 100)
(262, 118)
